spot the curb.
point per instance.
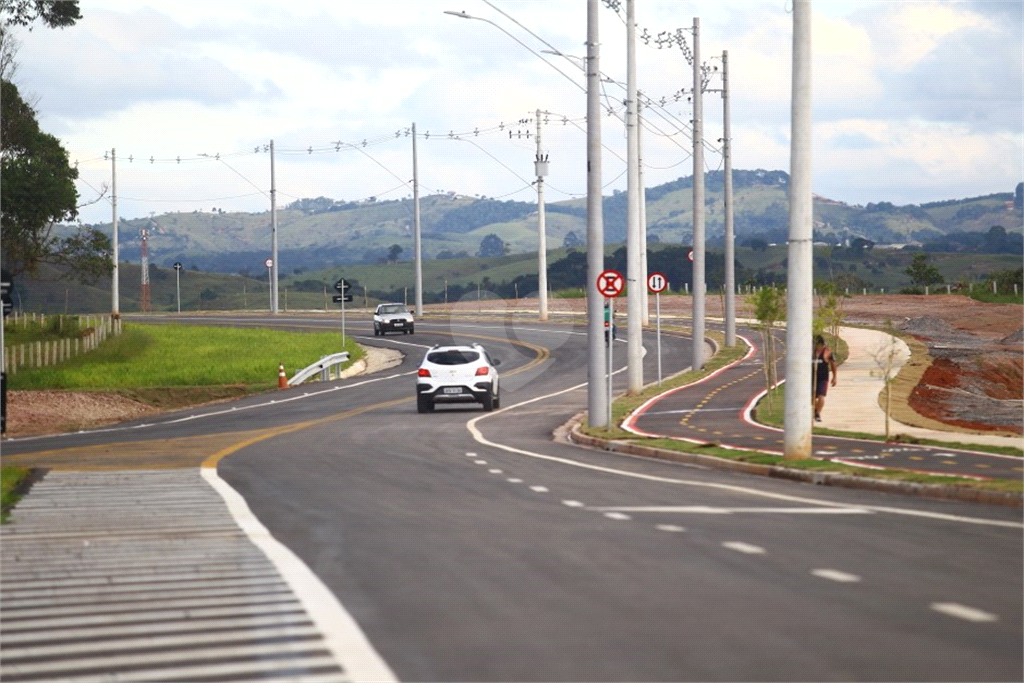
(572, 433)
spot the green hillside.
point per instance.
(317, 233)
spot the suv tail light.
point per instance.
(482, 371)
(424, 372)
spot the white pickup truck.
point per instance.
(392, 318)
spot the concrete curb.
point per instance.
(572, 433)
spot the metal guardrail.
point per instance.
(322, 366)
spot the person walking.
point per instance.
(824, 364)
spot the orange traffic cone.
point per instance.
(282, 379)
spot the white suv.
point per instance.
(392, 318)
(457, 374)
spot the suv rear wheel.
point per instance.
(424, 404)
(489, 403)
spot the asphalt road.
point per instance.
(473, 546)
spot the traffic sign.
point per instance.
(269, 263)
(342, 286)
(6, 283)
(339, 298)
(656, 283)
(610, 283)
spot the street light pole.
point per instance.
(418, 252)
(598, 398)
(698, 203)
(115, 305)
(799, 293)
(541, 165)
(635, 280)
(730, 247)
(273, 233)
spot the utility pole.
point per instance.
(698, 203)
(541, 167)
(636, 281)
(644, 270)
(418, 255)
(273, 234)
(598, 398)
(730, 247)
(800, 278)
(115, 306)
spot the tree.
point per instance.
(572, 240)
(887, 357)
(37, 190)
(769, 306)
(53, 13)
(492, 246)
(394, 251)
(923, 273)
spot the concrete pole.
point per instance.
(635, 279)
(799, 296)
(598, 400)
(730, 247)
(417, 249)
(644, 270)
(698, 203)
(115, 281)
(541, 167)
(273, 233)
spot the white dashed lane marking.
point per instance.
(617, 515)
(963, 612)
(836, 575)
(493, 471)
(572, 503)
(744, 548)
(673, 528)
(539, 489)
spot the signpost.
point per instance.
(177, 281)
(269, 263)
(656, 284)
(610, 284)
(6, 284)
(342, 298)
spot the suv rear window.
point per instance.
(453, 357)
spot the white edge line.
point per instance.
(481, 439)
(342, 635)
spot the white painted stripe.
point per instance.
(710, 510)
(539, 489)
(514, 481)
(342, 634)
(470, 455)
(963, 612)
(189, 655)
(746, 490)
(11, 624)
(135, 589)
(165, 641)
(746, 548)
(495, 471)
(480, 462)
(836, 575)
(202, 672)
(132, 629)
(572, 503)
(617, 515)
(671, 528)
(107, 607)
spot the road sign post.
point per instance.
(610, 284)
(656, 283)
(177, 282)
(269, 263)
(343, 298)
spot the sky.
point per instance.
(913, 101)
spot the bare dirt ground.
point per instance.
(974, 380)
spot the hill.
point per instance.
(322, 232)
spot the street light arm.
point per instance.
(464, 15)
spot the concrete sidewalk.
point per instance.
(852, 405)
